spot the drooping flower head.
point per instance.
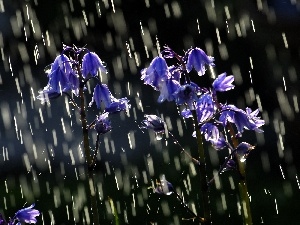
(156, 72)
(205, 107)
(27, 215)
(103, 124)
(223, 83)
(212, 134)
(242, 150)
(154, 123)
(101, 94)
(186, 94)
(118, 105)
(240, 118)
(58, 79)
(167, 90)
(91, 65)
(197, 59)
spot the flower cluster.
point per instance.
(174, 84)
(70, 72)
(26, 215)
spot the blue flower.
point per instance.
(101, 94)
(223, 83)
(213, 135)
(240, 118)
(167, 89)
(197, 59)
(205, 107)
(242, 150)
(117, 105)
(102, 124)
(91, 64)
(27, 215)
(73, 82)
(230, 165)
(154, 123)
(63, 63)
(254, 119)
(186, 94)
(156, 73)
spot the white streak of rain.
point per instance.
(286, 45)
(296, 105)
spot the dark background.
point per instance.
(36, 154)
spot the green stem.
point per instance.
(203, 174)
(88, 158)
(243, 189)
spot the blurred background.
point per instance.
(41, 159)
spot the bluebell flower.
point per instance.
(186, 94)
(63, 63)
(167, 90)
(197, 59)
(223, 83)
(255, 119)
(240, 118)
(205, 107)
(117, 105)
(242, 150)
(164, 187)
(59, 81)
(91, 65)
(27, 215)
(212, 134)
(103, 124)
(230, 165)
(154, 123)
(156, 73)
(101, 94)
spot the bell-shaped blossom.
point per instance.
(117, 105)
(242, 150)
(254, 119)
(27, 215)
(103, 124)
(63, 63)
(167, 90)
(205, 107)
(154, 123)
(223, 83)
(101, 94)
(212, 134)
(156, 73)
(197, 59)
(91, 65)
(164, 187)
(186, 94)
(230, 165)
(240, 118)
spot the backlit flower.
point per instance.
(156, 72)
(223, 83)
(197, 59)
(103, 124)
(27, 215)
(154, 123)
(91, 65)
(205, 107)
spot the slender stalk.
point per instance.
(201, 153)
(86, 148)
(203, 174)
(243, 189)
